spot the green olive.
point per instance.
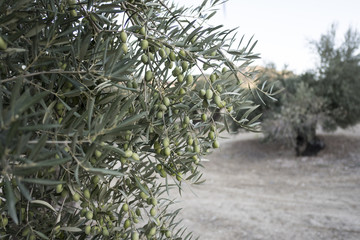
(143, 195)
(211, 135)
(209, 93)
(127, 223)
(59, 188)
(216, 144)
(168, 234)
(125, 207)
(123, 36)
(135, 156)
(186, 119)
(212, 77)
(176, 71)
(166, 101)
(162, 53)
(89, 215)
(144, 44)
(135, 236)
(180, 78)
(189, 79)
(98, 154)
(166, 142)
(153, 201)
(167, 151)
(105, 232)
(152, 231)
(124, 47)
(73, 13)
(95, 179)
(172, 56)
(144, 59)
(203, 117)
(153, 211)
(87, 193)
(76, 197)
(128, 153)
(149, 75)
(142, 31)
(87, 229)
(184, 65)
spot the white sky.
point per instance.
(285, 27)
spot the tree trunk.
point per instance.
(307, 143)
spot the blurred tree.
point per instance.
(338, 78)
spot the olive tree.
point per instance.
(100, 117)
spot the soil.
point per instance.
(257, 190)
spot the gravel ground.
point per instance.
(256, 190)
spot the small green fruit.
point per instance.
(76, 197)
(89, 215)
(172, 56)
(59, 188)
(166, 101)
(159, 114)
(211, 135)
(135, 236)
(216, 144)
(143, 195)
(209, 93)
(105, 232)
(176, 71)
(143, 31)
(95, 179)
(125, 207)
(73, 13)
(182, 53)
(203, 117)
(135, 156)
(149, 75)
(124, 47)
(189, 79)
(98, 154)
(202, 93)
(167, 151)
(144, 44)
(224, 70)
(166, 142)
(32, 237)
(186, 119)
(87, 193)
(144, 59)
(184, 65)
(212, 77)
(168, 234)
(153, 211)
(179, 177)
(152, 231)
(162, 53)
(128, 153)
(87, 229)
(127, 223)
(25, 232)
(5, 221)
(123, 36)
(153, 201)
(180, 78)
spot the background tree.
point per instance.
(98, 102)
(338, 78)
(326, 96)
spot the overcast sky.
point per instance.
(285, 27)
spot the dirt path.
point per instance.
(261, 191)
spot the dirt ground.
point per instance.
(262, 191)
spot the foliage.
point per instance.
(100, 117)
(337, 78)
